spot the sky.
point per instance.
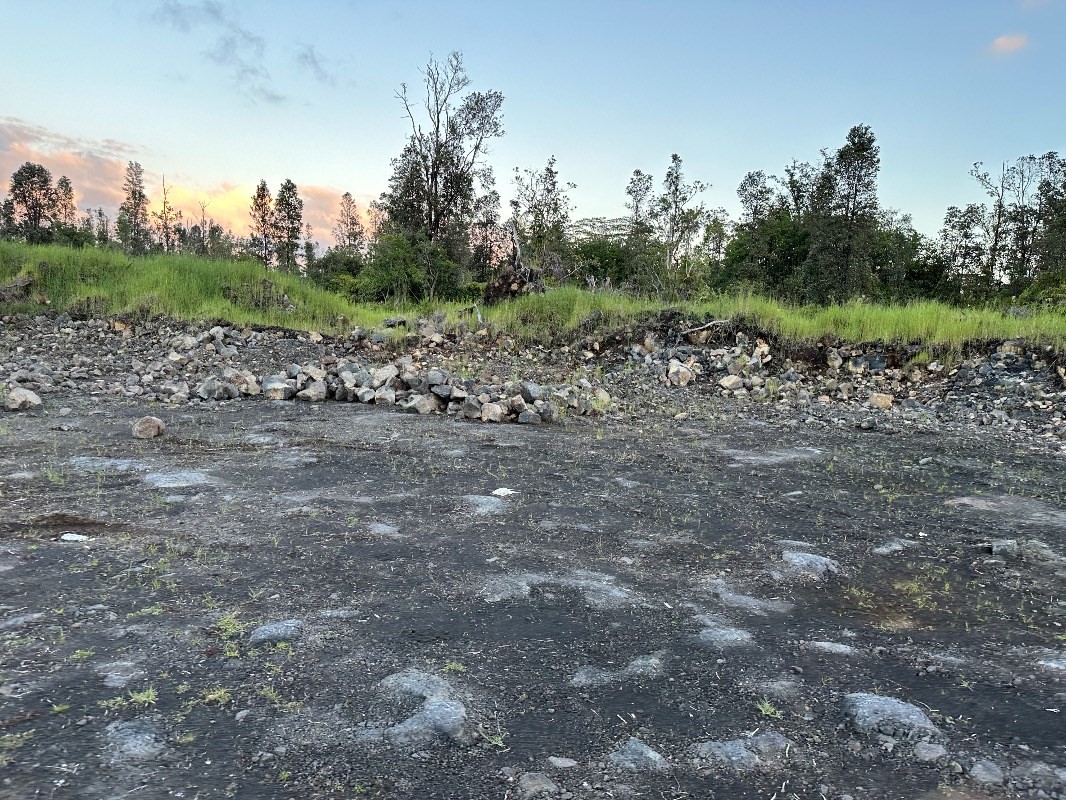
(214, 95)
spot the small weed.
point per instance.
(144, 698)
(80, 655)
(768, 709)
(453, 666)
(149, 611)
(216, 697)
(60, 708)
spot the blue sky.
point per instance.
(217, 94)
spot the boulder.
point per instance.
(148, 428)
(19, 399)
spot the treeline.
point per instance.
(816, 233)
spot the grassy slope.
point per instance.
(193, 289)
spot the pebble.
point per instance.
(273, 632)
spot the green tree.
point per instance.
(678, 220)
(288, 225)
(349, 234)
(842, 221)
(540, 212)
(263, 229)
(132, 224)
(30, 207)
(440, 183)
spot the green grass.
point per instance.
(244, 293)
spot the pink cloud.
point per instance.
(97, 168)
(1008, 44)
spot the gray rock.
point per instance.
(273, 632)
(424, 403)
(528, 417)
(314, 392)
(437, 377)
(986, 772)
(562, 763)
(832, 648)
(492, 412)
(119, 674)
(535, 784)
(809, 565)
(439, 718)
(148, 428)
(412, 683)
(635, 756)
(731, 383)
(722, 636)
(928, 752)
(763, 751)
(591, 676)
(278, 387)
(19, 399)
(134, 741)
(484, 504)
(365, 395)
(531, 392)
(874, 713)
(384, 396)
(379, 377)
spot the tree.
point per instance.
(310, 249)
(262, 227)
(65, 211)
(540, 212)
(440, 183)
(348, 231)
(842, 220)
(678, 223)
(167, 221)
(132, 223)
(30, 208)
(288, 225)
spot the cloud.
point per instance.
(1029, 5)
(310, 59)
(1008, 44)
(97, 169)
(235, 47)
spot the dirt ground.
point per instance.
(279, 600)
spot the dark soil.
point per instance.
(378, 531)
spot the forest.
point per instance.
(813, 232)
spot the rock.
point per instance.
(379, 377)
(384, 396)
(148, 428)
(274, 632)
(413, 683)
(439, 718)
(874, 713)
(880, 400)
(529, 418)
(986, 772)
(562, 763)
(19, 399)
(424, 403)
(635, 756)
(135, 741)
(532, 392)
(492, 412)
(366, 395)
(278, 387)
(809, 565)
(535, 784)
(929, 751)
(678, 374)
(314, 392)
(763, 751)
(731, 383)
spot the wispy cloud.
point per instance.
(1008, 44)
(1029, 5)
(235, 48)
(312, 61)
